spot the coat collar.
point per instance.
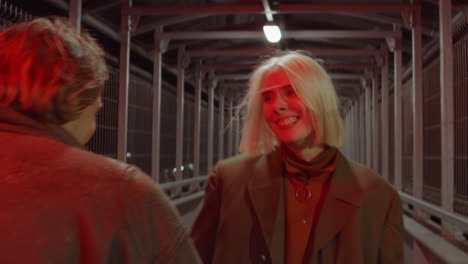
(339, 206)
(266, 193)
(15, 122)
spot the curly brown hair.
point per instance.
(45, 66)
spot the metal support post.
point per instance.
(157, 57)
(181, 64)
(368, 126)
(385, 106)
(74, 12)
(211, 87)
(196, 122)
(417, 102)
(375, 122)
(231, 123)
(398, 114)
(447, 105)
(221, 123)
(124, 74)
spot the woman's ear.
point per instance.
(82, 98)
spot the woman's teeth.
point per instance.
(287, 121)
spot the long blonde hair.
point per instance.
(311, 83)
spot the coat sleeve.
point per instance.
(391, 247)
(155, 232)
(205, 227)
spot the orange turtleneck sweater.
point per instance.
(306, 186)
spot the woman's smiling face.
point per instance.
(283, 110)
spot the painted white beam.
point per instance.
(375, 122)
(294, 34)
(99, 6)
(447, 103)
(196, 122)
(385, 106)
(334, 76)
(181, 64)
(124, 75)
(208, 67)
(267, 9)
(418, 135)
(265, 52)
(74, 12)
(398, 113)
(259, 9)
(231, 124)
(220, 122)
(166, 22)
(363, 137)
(156, 122)
(211, 87)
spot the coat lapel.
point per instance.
(341, 201)
(265, 192)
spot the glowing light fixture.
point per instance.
(272, 33)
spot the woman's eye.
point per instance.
(290, 92)
(266, 99)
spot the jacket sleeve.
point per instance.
(206, 225)
(155, 232)
(391, 247)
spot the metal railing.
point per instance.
(186, 190)
(10, 13)
(451, 226)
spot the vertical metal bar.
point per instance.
(156, 124)
(180, 111)
(211, 87)
(362, 155)
(417, 102)
(368, 126)
(221, 123)
(447, 104)
(123, 82)
(239, 126)
(357, 137)
(196, 123)
(74, 12)
(350, 130)
(375, 122)
(385, 107)
(354, 127)
(230, 127)
(398, 114)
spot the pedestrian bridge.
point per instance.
(178, 69)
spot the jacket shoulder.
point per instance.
(371, 181)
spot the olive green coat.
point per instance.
(242, 219)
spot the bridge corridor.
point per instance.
(179, 71)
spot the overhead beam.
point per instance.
(265, 52)
(259, 9)
(267, 8)
(98, 6)
(387, 20)
(166, 22)
(74, 12)
(295, 34)
(208, 67)
(334, 76)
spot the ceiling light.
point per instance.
(272, 33)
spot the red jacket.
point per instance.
(61, 204)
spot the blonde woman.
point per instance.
(292, 196)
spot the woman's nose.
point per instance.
(280, 104)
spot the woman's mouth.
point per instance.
(287, 122)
